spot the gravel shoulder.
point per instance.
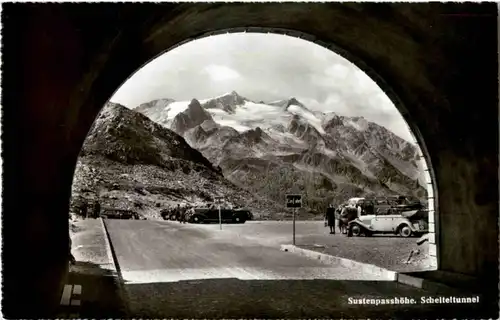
(384, 251)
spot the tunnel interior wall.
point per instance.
(62, 62)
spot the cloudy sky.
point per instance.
(263, 67)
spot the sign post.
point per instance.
(218, 200)
(294, 201)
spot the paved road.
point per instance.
(165, 251)
(177, 270)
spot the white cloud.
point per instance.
(221, 73)
(264, 67)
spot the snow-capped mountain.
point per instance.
(255, 143)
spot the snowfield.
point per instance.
(308, 116)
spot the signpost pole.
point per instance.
(220, 219)
(294, 202)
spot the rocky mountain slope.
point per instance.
(130, 162)
(279, 147)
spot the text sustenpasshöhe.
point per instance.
(407, 300)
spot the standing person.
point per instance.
(343, 218)
(186, 213)
(97, 209)
(338, 216)
(72, 259)
(183, 214)
(178, 212)
(84, 210)
(330, 218)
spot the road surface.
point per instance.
(165, 251)
(173, 270)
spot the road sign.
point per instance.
(294, 201)
(218, 200)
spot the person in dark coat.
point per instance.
(330, 218)
(97, 209)
(178, 213)
(72, 259)
(84, 210)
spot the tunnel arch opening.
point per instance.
(424, 158)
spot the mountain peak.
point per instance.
(191, 117)
(195, 104)
(294, 102)
(227, 102)
(129, 137)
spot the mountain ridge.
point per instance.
(352, 152)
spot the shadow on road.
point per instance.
(233, 298)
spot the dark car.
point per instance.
(210, 213)
(248, 213)
(165, 214)
(111, 213)
(138, 216)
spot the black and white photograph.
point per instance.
(250, 160)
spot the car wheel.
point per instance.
(356, 230)
(197, 219)
(405, 231)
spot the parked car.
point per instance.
(138, 216)
(248, 213)
(404, 223)
(210, 213)
(112, 213)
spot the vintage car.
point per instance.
(138, 216)
(403, 223)
(167, 214)
(210, 213)
(248, 213)
(112, 213)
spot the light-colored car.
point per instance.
(405, 223)
(353, 202)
